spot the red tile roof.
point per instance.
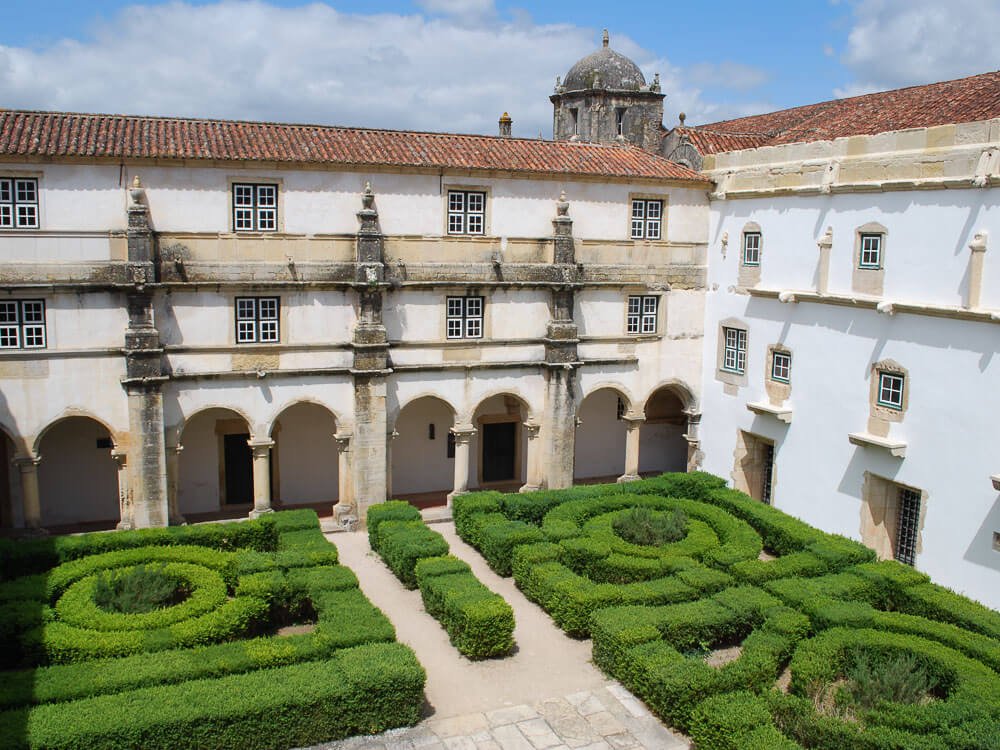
(55, 134)
(963, 100)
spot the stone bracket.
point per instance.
(781, 413)
(895, 448)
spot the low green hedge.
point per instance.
(479, 622)
(391, 510)
(403, 543)
(364, 690)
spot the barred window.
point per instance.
(18, 203)
(734, 356)
(465, 317)
(647, 217)
(781, 367)
(22, 324)
(255, 207)
(871, 251)
(642, 313)
(907, 526)
(890, 390)
(257, 320)
(751, 248)
(466, 212)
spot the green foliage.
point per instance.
(392, 510)
(499, 540)
(403, 543)
(645, 527)
(138, 590)
(877, 677)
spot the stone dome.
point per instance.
(607, 69)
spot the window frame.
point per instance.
(22, 329)
(12, 203)
(738, 350)
(869, 265)
(250, 329)
(642, 225)
(470, 325)
(787, 356)
(746, 248)
(884, 375)
(464, 214)
(907, 539)
(636, 321)
(263, 215)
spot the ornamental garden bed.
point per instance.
(229, 635)
(824, 647)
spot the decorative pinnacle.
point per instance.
(136, 182)
(682, 117)
(369, 197)
(562, 207)
(605, 38)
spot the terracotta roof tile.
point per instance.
(963, 100)
(55, 134)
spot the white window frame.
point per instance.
(19, 203)
(647, 218)
(781, 366)
(751, 248)
(255, 207)
(870, 257)
(464, 317)
(258, 320)
(22, 324)
(641, 314)
(734, 350)
(891, 387)
(467, 212)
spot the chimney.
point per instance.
(505, 125)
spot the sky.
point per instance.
(456, 65)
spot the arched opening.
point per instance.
(77, 476)
(423, 452)
(662, 446)
(498, 452)
(600, 437)
(304, 464)
(10, 485)
(215, 466)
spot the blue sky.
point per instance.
(456, 64)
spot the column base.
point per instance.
(124, 526)
(628, 478)
(258, 513)
(457, 493)
(177, 521)
(530, 488)
(345, 515)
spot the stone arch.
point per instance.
(267, 428)
(394, 417)
(601, 433)
(498, 452)
(663, 445)
(215, 462)
(78, 474)
(304, 455)
(422, 451)
(530, 414)
(71, 414)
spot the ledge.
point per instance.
(896, 448)
(885, 307)
(781, 413)
(996, 481)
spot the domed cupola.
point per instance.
(605, 99)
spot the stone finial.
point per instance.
(368, 199)
(682, 117)
(136, 192)
(978, 244)
(562, 207)
(559, 87)
(655, 86)
(605, 39)
(506, 124)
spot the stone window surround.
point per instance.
(869, 280)
(778, 391)
(472, 291)
(880, 514)
(664, 211)
(749, 274)
(729, 377)
(279, 228)
(27, 174)
(881, 416)
(242, 345)
(447, 188)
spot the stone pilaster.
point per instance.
(463, 437)
(825, 244)
(28, 468)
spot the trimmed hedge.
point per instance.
(363, 690)
(403, 543)
(391, 510)
(479, 623)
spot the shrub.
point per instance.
(392, 510)
(465, 507)
(643, 526)
(499, 540)
(877, 677)
(138, 590)
(403, 543)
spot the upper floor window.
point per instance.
(751, 248)
(255, 207)
(647, 218)
(465, 318)
(619, 120)
(18, 203)
(781, 366)
(642, 313)
(734, 352)
(22, 324)
(890, 389)
(466, 212)
(257, 320)
(574, 120)
(871, 251)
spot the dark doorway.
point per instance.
(239, 469)
(499, 451)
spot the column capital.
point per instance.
(343, 441)
(463, 432)
(533, 429)
(24, 462)
(632, 421)
(120, 457)
(260, 448)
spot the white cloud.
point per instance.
(456, 69)
(896, 43)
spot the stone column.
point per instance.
(633, 426)
(261, 476)
(148, 467)
(693, 439)
(345, 499)
(978, 248)
(28, 468)
(124, 495)
(389, 437)
(825, 243)
(173, 482)
(463, 438)
(368, 449)
(534, 448)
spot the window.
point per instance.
(255, 208)
(465, 317)
(781, 366)
(767, 480)
(734, 357)
(871, 251)
(466, 212)
(620, 410)
(890, 390)
(907, 526)
(574, 120)
(619, 120)
(647, 216)
(22, 324)
(18, 203)
(257, 320)
(751, 248)
(642, 313)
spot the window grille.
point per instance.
(907, 526)
(767, 484)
